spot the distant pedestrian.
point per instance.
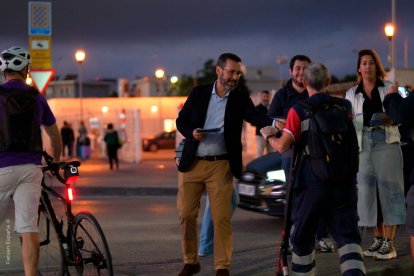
(82, 129)
(112, 145)
(68, 139)
(381, 203)
(262, 108)
(84, 144)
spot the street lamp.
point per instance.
(174, 79)
(159, 74)
(389, 30)
(80, 57)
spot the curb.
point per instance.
(122, 191)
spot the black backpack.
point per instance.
(18, 129)
(332, 143)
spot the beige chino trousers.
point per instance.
(216, 178)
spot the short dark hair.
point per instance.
(299, 57)
(265, 92)
(221, 61)
(110, 126)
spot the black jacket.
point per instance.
(193, 115)
(284, 99)
(399, 109)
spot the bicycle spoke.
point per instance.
(91, 244)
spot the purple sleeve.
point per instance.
(46, 116)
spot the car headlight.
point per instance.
(278, 175)
(248, 176)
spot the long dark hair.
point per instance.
(380, 72)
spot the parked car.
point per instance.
(164, 140)
(262, 187)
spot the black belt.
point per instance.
(213, 158)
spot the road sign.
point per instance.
(40, 51)
(40, 18)
(41, 78)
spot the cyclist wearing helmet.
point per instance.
(21, 147)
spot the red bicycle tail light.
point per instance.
(72, 179)
(71, 194)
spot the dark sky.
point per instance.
(129, 38)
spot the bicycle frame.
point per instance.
(82, 244)
(66, 241)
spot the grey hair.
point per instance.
(317, 76)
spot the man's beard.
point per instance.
(300, 84)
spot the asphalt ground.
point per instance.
(156, 175)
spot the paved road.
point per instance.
(143, 232)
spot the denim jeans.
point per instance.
(207, 227)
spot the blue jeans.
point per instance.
(206, 246)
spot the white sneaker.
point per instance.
(370, 252)
(326, 245)
(386, 252)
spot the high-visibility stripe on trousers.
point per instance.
(351, 260)
(303, 265)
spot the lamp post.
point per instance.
(159, 74)
(80, 57)
(389, 30)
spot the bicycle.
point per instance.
(76, 246)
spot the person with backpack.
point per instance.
(324, 174)
(294, 91)
(23, 111)
(381, 203)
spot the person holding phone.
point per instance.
(401, 110)
(380, 178)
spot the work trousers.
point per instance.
(216, 178)
(338, 206)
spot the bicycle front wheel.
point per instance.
(51, 253)
(91, 246)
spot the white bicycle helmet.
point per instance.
(15, 58)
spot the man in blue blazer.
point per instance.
(211, 121)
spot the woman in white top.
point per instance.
(380, 177)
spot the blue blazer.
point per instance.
(193, 115)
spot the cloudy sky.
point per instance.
(130, 38)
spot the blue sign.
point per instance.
(40, 18)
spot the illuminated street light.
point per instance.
(174, 79)
(29, 80)
(80, 57)
(389, 30)
(159, 73)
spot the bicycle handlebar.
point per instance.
(70, 168)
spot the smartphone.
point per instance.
(403, 91)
